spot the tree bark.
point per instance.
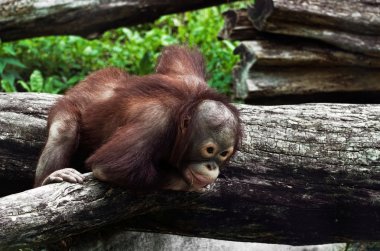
(268, 82)
(305, 174)
(22, 136)
(25, 19)
(295, 52)
(132, 241)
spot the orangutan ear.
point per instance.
(185, 123)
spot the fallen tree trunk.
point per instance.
(328, 21)
(25, 19)
(305, 174)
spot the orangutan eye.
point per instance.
(210, 150)
(224, 154)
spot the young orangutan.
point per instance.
(165, 130)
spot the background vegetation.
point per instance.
(53, 64)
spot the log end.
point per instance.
(259, 12)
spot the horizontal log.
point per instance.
(366, 44)
(25, 19)
(275, 81)
(108, 240)
(300, 53)
(305, 174)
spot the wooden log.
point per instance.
(305, 174)
(108, 240)
(22, 136)
(272, 69)
(301, 52)
(267, 82)
(366, 44)
(25, 19)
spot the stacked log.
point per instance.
(301, 51)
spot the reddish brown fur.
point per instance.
(129, 129)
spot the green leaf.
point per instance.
(10, 78)
(13, 61)
(7, 86)
(229, 44)
(36, 81)
(8, 49)
(24, 85)
(73, 80)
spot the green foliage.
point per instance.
(53, 64)
(51, 84)
(8, 68)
